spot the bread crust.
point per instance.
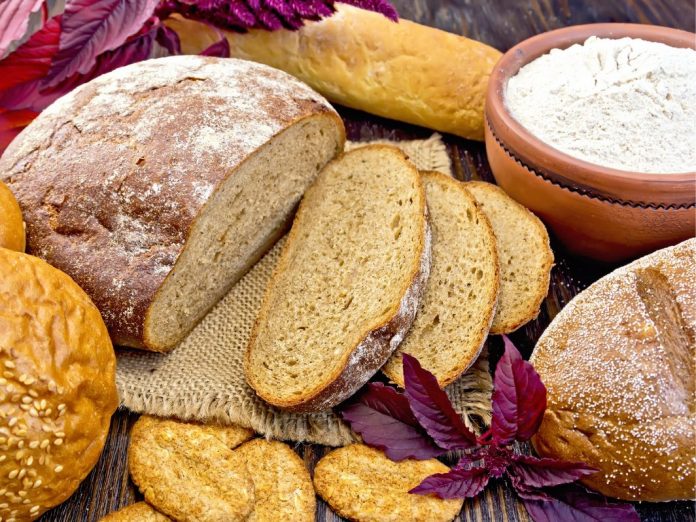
(58, 387)
(506, 324)
(618, 364)
(394, 370)
(378, 342)
(362, 60)
(11, 225)
(138, 512)
(111, 201)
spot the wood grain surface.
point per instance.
(500, 23)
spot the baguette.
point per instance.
(347, 285)
(458, 306)
(404, 71)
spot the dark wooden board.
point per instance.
(501, 23)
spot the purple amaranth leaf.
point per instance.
(433, 409)
(383, 418)
(168, 38)
(92, 27)
(576, 504)
(221, 49)
(538, 473)
(456, 483)
(379, 6)
(18, 22)
(519, 398)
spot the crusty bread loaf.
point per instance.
(347, 285)
(619, 365)
(58, 386)
(525, 256)
(157, 185)
(11, 224)
(404, 71)
(457, 308)
(360, 483)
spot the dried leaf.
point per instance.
(534, 472)
(576, 504)
(221, 49)
(19, 19)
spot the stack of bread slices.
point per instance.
(383, 260)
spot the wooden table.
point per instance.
(500, 23)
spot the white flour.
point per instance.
(627, 103)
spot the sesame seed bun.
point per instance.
(11, 224)
(57, 386)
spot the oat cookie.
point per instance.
(363, 485)
(138, 512)
(188, 473)
(283, 486)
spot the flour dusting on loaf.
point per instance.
(113, 176)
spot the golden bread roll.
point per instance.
(11, 224)
(404, 71)
(58, 386)
(618, 364)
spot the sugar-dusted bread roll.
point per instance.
(58, 386)
(156, 186)
(404, 71)
(618, 363)
(11, 224)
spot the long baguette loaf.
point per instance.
(156, 186)
(404, 71)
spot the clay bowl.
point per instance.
(598, 212)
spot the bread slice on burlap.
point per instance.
(458, 306)
(348, 283)
(361, 483)
(525, 256)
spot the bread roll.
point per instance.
(58, 386)
(11, 224)
(618, 363)
(404, 71)
(156, 186)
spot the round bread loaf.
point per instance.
(618, 364)
(58, 386)
(157, 186)
(11, 224)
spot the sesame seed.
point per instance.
(12, 422)
(58, 442)
(60, 434)
(30, 460)
(37, 483)
(20, 444)
(26, 399)
(33, 412)
(61, 407)
(34, 444)
(48, 411)
(13, 474)
(19, 455)
(22, 473)
(43, 404)
(4, 505)
(44, 443)
(26, 501)
(58, 468)
(34, 509)
(2, 458)
(9, 364)
(22, 493)
(9, 375)
(33, 393)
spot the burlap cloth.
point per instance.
(203, 377)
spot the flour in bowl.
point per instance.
(627, 103)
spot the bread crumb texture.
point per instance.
(188, 472)
(57, 386)
(457, 308)
(524, 253)
(618, 362)
(361, 484)
(138, 512)
(282, 484)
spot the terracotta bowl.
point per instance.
(598, 212)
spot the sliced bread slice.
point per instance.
(458, 306)
(525, 255)
(347, 285)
